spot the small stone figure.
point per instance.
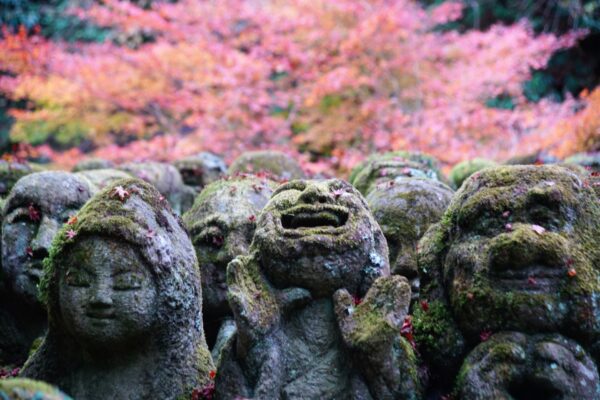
(221, 224)
(318, 315)
(166, 179)
(404, 209)
(123, 294)
(380, 169)
(465, 169)
(27, 389)
(36, 208)
(90, 164)
(276, 163)
(513, 365)
(515, 251)
(201, 169)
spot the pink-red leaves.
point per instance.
(71, 234)
(485, 335)
(407, 331)
(29, 251)
(424, 305)
(34, 213)
(538, 229)
(120, 192)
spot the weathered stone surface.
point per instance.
(538, 158)
(278, 164)
(10, 173)
(36, 208)
(515, 366)
(27, 389)
(221, 224)
(100, 178)
(301, 330)
(165, 178)
(90, 164)
(201, 169)
(380, 169)
(465, 169)
(516, 250)
(123, 294)
(404, 211)
(590, 161)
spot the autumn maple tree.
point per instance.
(326, 81)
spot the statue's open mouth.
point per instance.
(314, 217)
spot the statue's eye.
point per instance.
(77, 277)
(128, 281)
(211, 236)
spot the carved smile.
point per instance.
(101, 314)
(304, 217)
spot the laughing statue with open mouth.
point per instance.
(317, 312)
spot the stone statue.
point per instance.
(100, 178)
(465, 169)
(90, 164)
(166, 179)
(221, 224)
(590, 161)
(513, 365)
(515, 251)
(36, 208)
(276, 163)
(380, 169)
(201, 169)
(317, 313)
(404, 210)
(123, 294)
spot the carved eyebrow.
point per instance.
(293, 185)
(211, 220)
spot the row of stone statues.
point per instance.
(275, 286)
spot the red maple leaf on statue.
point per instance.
(120, 192)
(71, 234)
(407, 331)
(34, 213)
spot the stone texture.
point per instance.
(303, 331)
(221, 225)
(123, 294)
(404, 211)
(278, 164)
(36, 208)
(201, 169)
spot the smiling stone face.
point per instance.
(37, 207)
(521, 252)
(107, 294)
(320, 235)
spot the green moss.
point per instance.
(463, 170)
(26, 389)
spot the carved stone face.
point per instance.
(221, 224)
(404, 211)
(37, 207)
(516, 366)
(200, 170)
(320, 235)
(522, 252)
(107, 294)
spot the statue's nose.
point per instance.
(313, 194)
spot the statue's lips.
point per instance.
(98, 314)
(321, 216)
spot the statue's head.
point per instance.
(380, 169)
(201, 169)
(404, 211)
(517, 250)
(278, 164)
(320, 235)
(221, 224)
(34, 211)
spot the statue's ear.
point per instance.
(440, 342)
(251, 299)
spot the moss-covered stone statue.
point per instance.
(100, 178)
(590, 161)
(221, 224)
(27, 389)
(201, 169)
(123, 294)
(276, 163)
(93, 163)
(36, 208)
(404, 211)
(465, 169)
(536, 158)
(381, 169)
(515, 251)
(166, 179)
(317, 313)
(514, 365)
